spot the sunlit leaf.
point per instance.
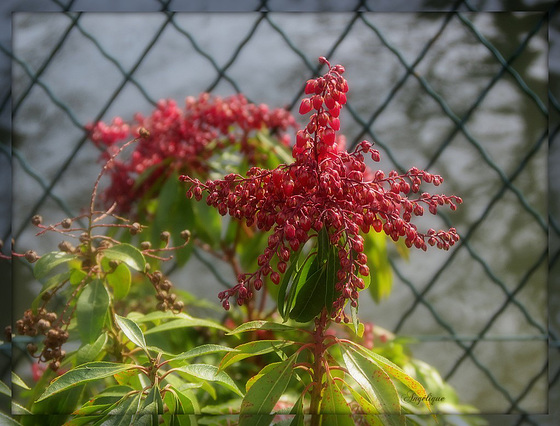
(85, 373)
(377, 385)
(200, 351)
(247, 350)
(334, 409)
(127, 254)
(5, 389)
(120, 280)
(17, 381)
(394, 371)
(261, 398)
(132, 331)
(261, 325)
(90, 351)
(210, 373)
(8, 421)
(91, 310)
(185, 321)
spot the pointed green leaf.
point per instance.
(200, 351)
(394, 371)
(127, 254)
(5, 389)
(334, 409)
(17, 381)
(132, 331)
(377, 385)
(49, 261)
(367, 412)
(85, 373)
(261, 325)
(120, 280)
(247, 350)
(210, 373)
(297, 411)
(185, 321)
(152, 404)
(261, 398)
(287, 281)
(124, 412)
(8, 421)
(310, 299)
(90, 351)
(91, 310)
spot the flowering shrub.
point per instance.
(326, 192)
(185, 140)
(305, 232)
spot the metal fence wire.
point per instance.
(463, 94)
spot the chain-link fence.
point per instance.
(463, 94)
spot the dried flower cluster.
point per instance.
(44, 323)
(183, 140)
(325, 187)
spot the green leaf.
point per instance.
(124, 412)
(247, 350)
(5, 389)
(77, 276)
(261, 325)
(91, 310)
(299, 279)
(287, 280)
(49, 261)
(85, 373)
(132, 331)
(368, 413)
(334, 408)
(394, 371)
(200, 351)
(152, 405)
(90, 351)
(185, 321)
(210, 373)
(381, 275)
(17, 381)
(297, 411)
(8, 421)
(261, 398)
(127, 254)
(120, 280)
(174, 213)
(188, 403)
(310, 299)
(19, 410)
(376, 384)
(358, 327)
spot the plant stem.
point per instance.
(321, 324)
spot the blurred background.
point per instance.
(464, 94)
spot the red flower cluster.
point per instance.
(325, 188)
(184, 140)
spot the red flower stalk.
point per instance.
(183, 140)
(325, 188)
